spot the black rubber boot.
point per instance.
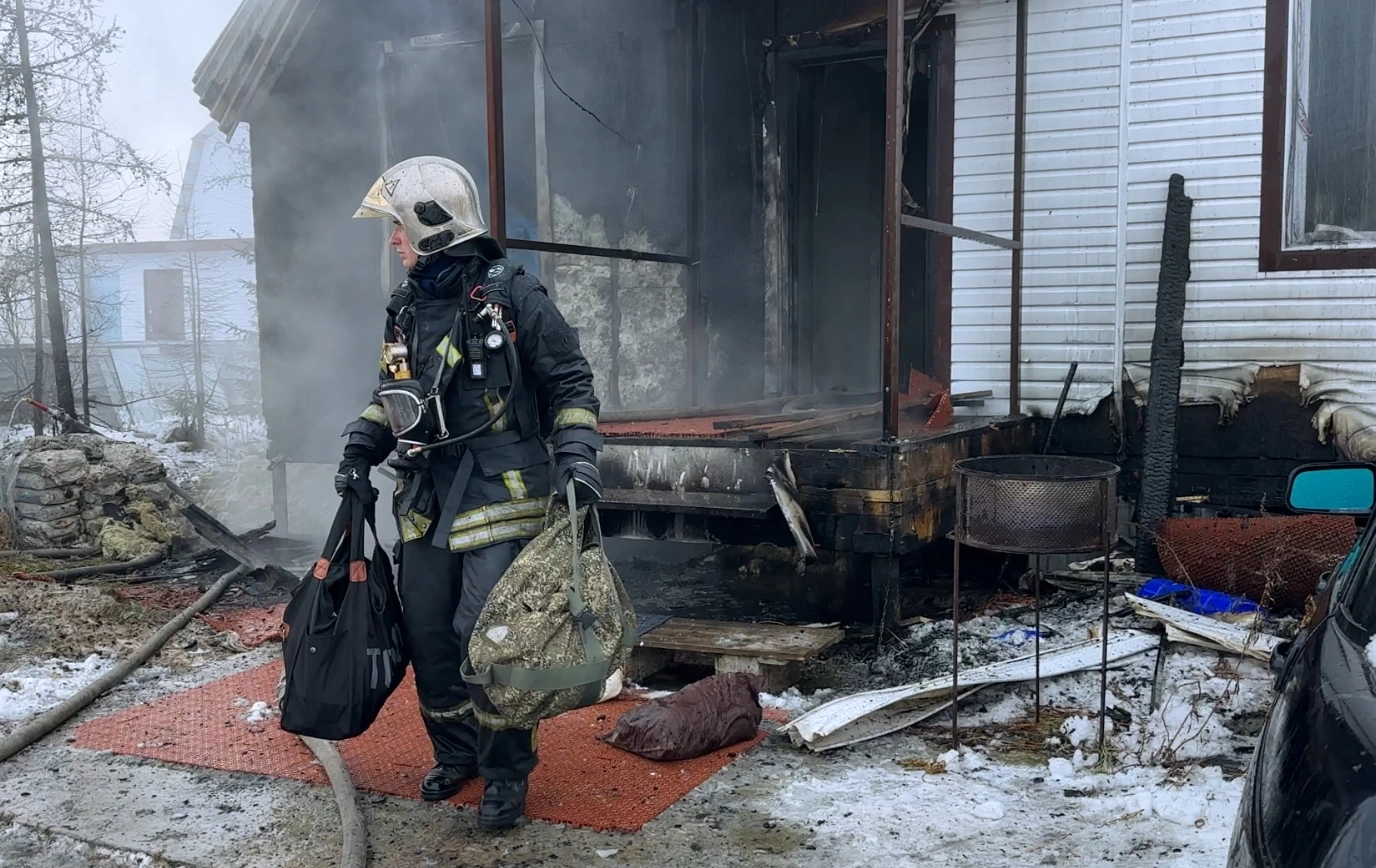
(504, 805)
(443, 782)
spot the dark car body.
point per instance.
(1310, 796)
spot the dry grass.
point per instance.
(1024, 741)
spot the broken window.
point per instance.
(164, 305)
(1330, 167)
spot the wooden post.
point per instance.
(893, 199)
(496, 132)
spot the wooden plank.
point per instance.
(753, 421)
(769, 642)
(746, 506)
(787, 431)
(224, 539)
(768, 405)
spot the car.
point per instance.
(1310, 796)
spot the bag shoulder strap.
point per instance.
(339, 529)
(590, 675)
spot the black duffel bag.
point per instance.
(343, 649)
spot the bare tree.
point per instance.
(75, 176)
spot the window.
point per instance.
(164, 305)
(1318, 207)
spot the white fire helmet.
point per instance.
(434, 200)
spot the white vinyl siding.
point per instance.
(1194, 107)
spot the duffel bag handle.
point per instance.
(343, 518)
(584, 617)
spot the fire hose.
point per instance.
(55, 717)
(354, 846)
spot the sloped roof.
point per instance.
(248, 57)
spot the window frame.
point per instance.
(1275, 113)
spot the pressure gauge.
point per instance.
(494, 341)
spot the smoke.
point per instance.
(599, 139)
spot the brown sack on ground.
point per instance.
(703, 717)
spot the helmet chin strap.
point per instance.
(484, 247)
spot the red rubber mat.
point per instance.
(254, 626)
(580, 781)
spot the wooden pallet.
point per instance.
(774, 652)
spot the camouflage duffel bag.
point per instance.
(558, 624)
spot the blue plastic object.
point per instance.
(1197, 600)
(1019, 636)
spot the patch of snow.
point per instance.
(1371, 652)
(8, 617)
(1202, 692)
(989, 811)
(1060, 769)
(23, 841)
(1078, 730)
(966, 761)
(259, 712)
(33, 689)
(794, 702)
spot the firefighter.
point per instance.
(479, 371)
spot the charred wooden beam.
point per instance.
(1167, 358)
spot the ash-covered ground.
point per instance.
(1021, 792)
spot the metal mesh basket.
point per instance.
(1036, 504)
(1274, 560)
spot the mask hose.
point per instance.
(514, 361)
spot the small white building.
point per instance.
(147, 301)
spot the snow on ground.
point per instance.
(864, 811)
(37, 686)
(229, 438)
(23, 847)
(32, 689)
(910, 800)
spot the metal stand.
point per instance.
(1010, 489)
(1037, 636)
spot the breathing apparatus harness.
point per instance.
(417, 416)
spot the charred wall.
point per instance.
(317, 147)
(620, 143)
(1244, 464)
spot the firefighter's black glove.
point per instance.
(587, 481)
(575, 458)
(352, 478)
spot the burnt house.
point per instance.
(788, 210)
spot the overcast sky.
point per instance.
(151, 103)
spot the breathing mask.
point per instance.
(415, 415)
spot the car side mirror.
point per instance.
(1332, 489)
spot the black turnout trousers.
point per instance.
(442, 594)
